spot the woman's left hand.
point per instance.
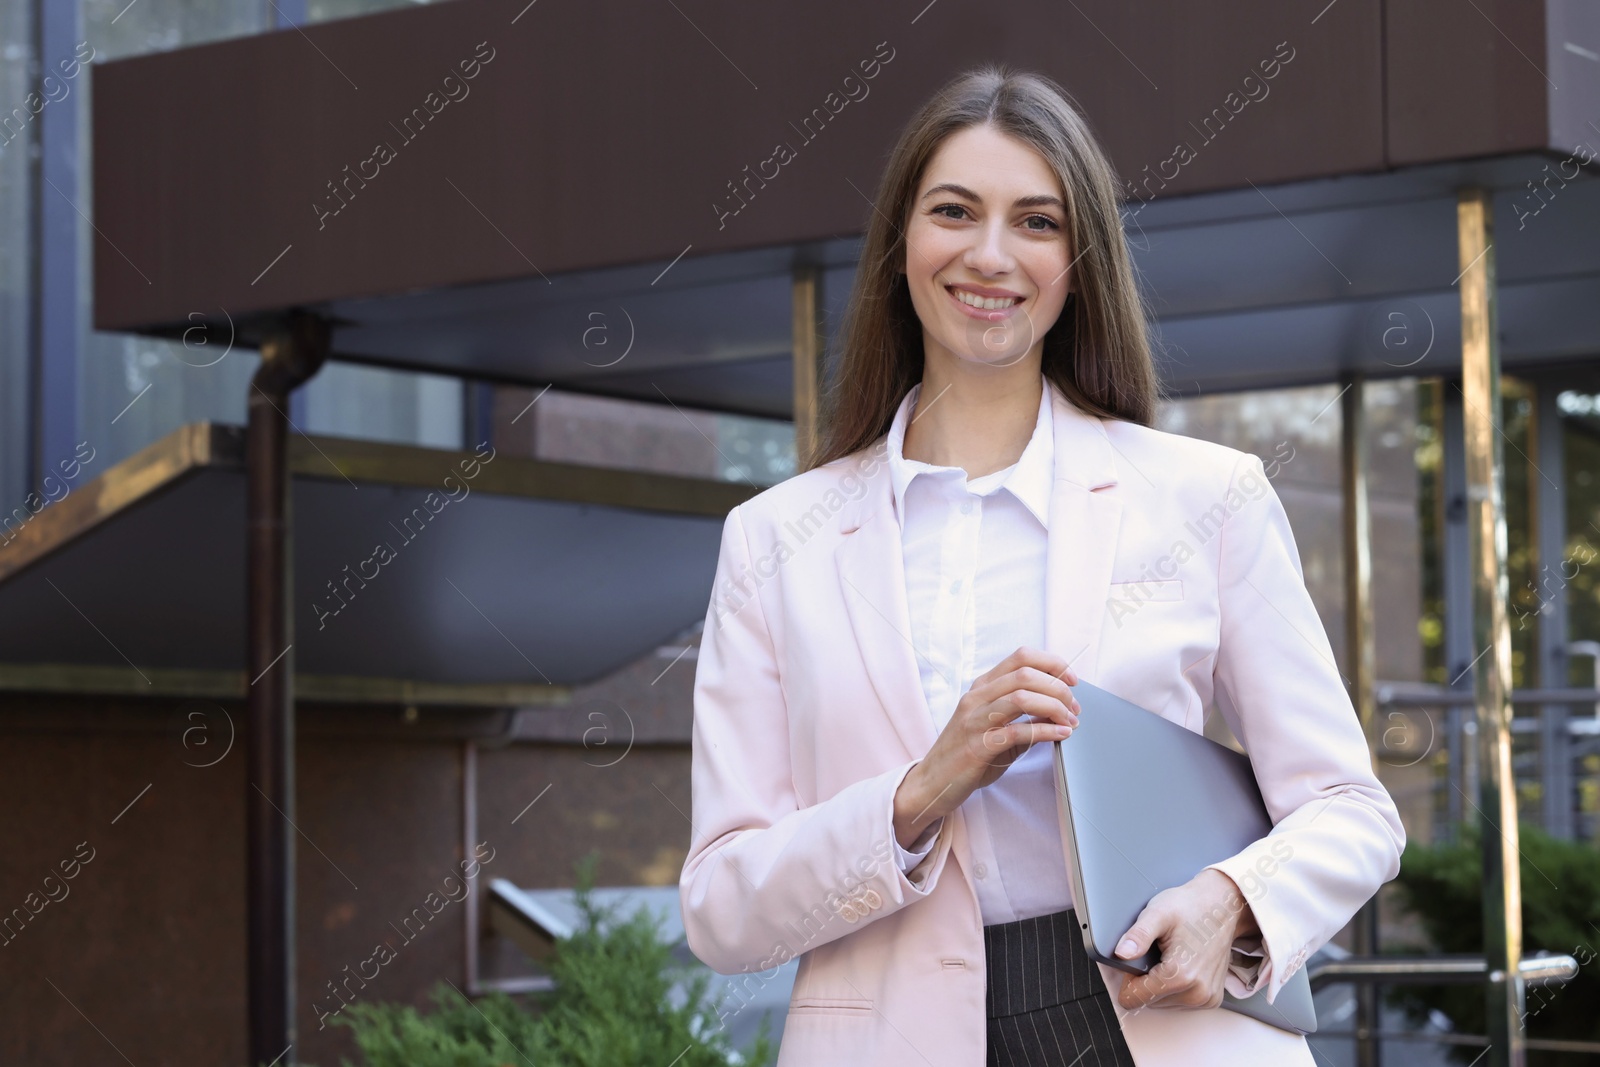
(1195, 925)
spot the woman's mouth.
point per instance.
(985, 308)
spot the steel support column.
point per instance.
(1455, 573)
(1361, 659)
(1491, 630)
(287, 359)
(1550, 592)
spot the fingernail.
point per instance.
(1127, 948)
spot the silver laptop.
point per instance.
(1147, 804)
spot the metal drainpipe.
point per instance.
(288, 358)
(1361, 657)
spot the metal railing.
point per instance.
(1435, 970)
(1556, 749)
(1537, 970)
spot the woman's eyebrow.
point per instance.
(1042, 200)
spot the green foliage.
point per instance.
(1443, 886)
(612, 1006)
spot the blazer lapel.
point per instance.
(871, 569)
(1084, 521)
(1085, 516)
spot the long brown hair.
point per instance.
(1097, 352)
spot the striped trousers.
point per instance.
(1047, 1003)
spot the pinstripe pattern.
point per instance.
(1047, 1003)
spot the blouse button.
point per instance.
(981, 871)
(966, 509)
(955, 586)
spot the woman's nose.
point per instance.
(988, 254)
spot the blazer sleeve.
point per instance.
(1337, 836)
(766, 879)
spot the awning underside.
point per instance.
(1291, 285)
(390, 581)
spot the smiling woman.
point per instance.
(897, 687)
(1010, 177)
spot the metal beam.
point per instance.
(205, 444)
(135, 479)
(105, 680)
(412, 465)
(1491, 630)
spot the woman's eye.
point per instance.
(957, 212)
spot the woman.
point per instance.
(893, 632)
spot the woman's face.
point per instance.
(987, 250)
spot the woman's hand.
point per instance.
(1196, 925)
(1023, 699)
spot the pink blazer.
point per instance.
(1174, 581)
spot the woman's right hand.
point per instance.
(1022, 700)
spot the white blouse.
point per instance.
(975, 578)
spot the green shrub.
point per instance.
(1443, 886)
(611, 1007)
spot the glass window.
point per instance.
(1576, 576)
(1580, 412)
(17, 191)
(401, 407)
(323, 10)
(639, 435)
(1297, 434)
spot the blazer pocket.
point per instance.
(1145, 592)
(829, 1006)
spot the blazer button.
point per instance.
(849, 912)
(872, 899)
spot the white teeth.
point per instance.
(987, 304)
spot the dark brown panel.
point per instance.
(1465, 79)
(608, 133)
(145, 942)
(384, 823)
(633, 812)
(143, 949)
